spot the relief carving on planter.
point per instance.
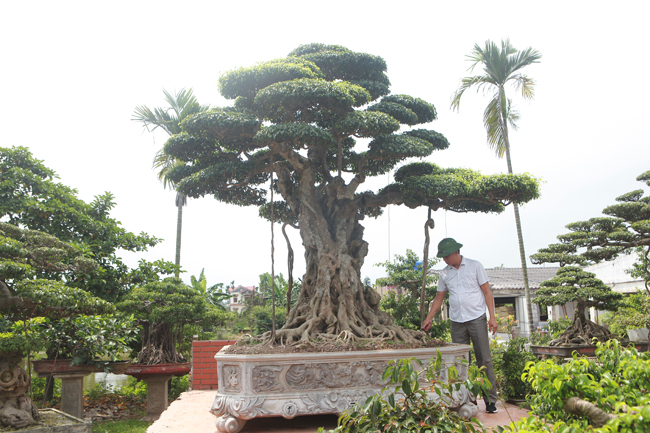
(331, 375)
(232, 377)
(265, 378)
(238, 407)
(333, 402)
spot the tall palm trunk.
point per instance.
(520, 236)
(181, 200)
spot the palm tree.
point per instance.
(500, 66)
(182, 105)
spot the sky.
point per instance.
(73, 72)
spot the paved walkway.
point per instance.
(190, 414)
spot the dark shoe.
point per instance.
(491, 408)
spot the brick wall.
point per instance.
(204, 367)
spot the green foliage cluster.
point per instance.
(617, 382)
(633, 313)
(31, 198)
(164, 308)
(169, 301)
(407, 405)
(96, 340)
(509, 360)
(310, 98)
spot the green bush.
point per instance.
(409, 407)
(179, 385)
(633, 313)
(510, 361)
(617, 383)
(262, 318)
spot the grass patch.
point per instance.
(126, 426)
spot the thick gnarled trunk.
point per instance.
(333, 301)
(16, 408)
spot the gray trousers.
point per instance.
(476, 331)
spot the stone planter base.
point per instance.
(293, 384)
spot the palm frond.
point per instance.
(525, 84)
(480, 81)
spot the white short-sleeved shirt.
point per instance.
(466, 299)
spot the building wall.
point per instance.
(204, 367)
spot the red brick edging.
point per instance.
(204, 367)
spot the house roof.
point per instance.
(241, 289)
(513, 278)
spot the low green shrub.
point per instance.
(179, 385)
(509, 360)
(616, 384)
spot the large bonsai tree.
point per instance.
(572, 284)
(322, 121)
(26, 255)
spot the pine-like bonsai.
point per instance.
(572, 284)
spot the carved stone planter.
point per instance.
(293, 384)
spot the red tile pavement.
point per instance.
(190, 414)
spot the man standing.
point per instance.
(469, 295)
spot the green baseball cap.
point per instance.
(448, 246)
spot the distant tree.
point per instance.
(405, 272)
(31, 198)
(298, 119)
(572, 284)
(500, 67)
(181, 106)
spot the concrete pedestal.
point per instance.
(72, 393)
(157, 377)
(157, 400)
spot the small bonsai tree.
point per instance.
(163, 308)
(27, 302)
(572, 284)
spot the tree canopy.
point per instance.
(321, 121)
(30, 197)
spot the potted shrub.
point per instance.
(163, 309)
(572, 284)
